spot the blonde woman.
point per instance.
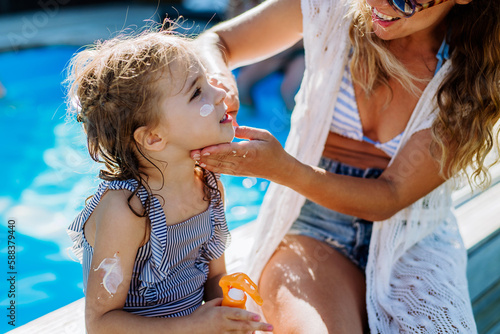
(397, 99)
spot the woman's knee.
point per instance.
(307, 284)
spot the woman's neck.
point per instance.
(417, 52)
(421, 43)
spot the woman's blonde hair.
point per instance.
(113, 91)
(469, 97)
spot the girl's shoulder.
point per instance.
(118, 209)
(120, 202)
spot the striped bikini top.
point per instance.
(171, 269)
(346, 121)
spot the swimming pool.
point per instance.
(47, 175)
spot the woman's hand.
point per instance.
(227, 82)
(211, 317)
(261, 156)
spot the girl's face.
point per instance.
(195, 117)
(388, 24)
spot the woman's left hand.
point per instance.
(228, 83)
(261, 156)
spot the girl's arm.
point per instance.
(119, 231)
(118, 235)
(413, 174)
(216, 271)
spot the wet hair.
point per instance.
(113, 91)
(463, 132)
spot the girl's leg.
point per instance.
(308, 287)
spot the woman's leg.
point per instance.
(309, 287)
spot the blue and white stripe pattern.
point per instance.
(171, 269)
(346, 121)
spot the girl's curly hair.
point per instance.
(113, 91)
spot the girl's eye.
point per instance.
(196, 93)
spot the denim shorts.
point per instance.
(347, 234)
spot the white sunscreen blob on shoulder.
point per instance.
(206, 110)
(113, 275)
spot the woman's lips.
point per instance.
(382, 19)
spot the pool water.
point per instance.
(47, 175)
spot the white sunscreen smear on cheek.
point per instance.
(113, 275)
(206, 110)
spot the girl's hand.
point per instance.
(261, 156)
(211, 317)
(227, 82)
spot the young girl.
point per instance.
(152, 238)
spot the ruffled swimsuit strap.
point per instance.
(75, 230)
(221, 237)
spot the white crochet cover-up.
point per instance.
(415, 276)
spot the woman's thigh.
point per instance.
(309, 287)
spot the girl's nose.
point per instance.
(220, 95)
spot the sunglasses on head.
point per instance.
(410, 7)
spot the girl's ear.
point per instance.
(150, 139)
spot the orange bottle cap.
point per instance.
(242, 282)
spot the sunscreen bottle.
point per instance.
(234, 287)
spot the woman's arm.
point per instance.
(257, 34)
(413, 174)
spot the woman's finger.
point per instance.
(245, 321)
(196, 155)
(234, 313)
(228, 83)
(225, 150)
(246, 132)
(220, 166)
(250, 326)
(233, 116)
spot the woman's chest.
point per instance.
(385, 113)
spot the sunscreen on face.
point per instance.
(206, 110)
(113, 275)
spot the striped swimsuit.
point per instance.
(171, 269)
(346, 121)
